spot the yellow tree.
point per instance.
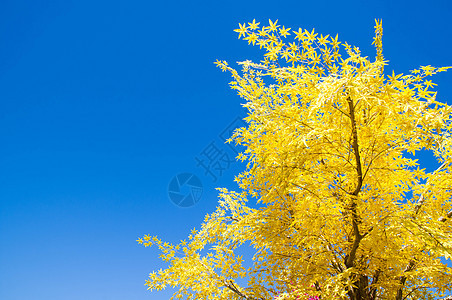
(343, 209)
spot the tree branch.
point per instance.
(402, 279)
(350, 258)
(230, 285)
(355, 147)
(444, 219)
(421, 200)
(419, 203)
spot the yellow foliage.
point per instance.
(344, 211)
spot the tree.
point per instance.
(343, 209)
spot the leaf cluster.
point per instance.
(345, 211)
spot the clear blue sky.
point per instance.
(103, 102)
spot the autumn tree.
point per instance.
(343, 209)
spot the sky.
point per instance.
(108, 107)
